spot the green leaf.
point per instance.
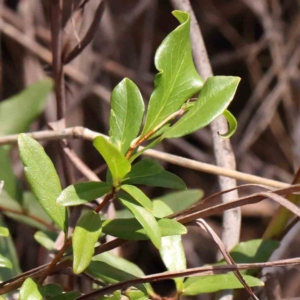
(252, 251)
(8, 252)
(232, 123)
(30, 290)
(161, 209)
(163, 179)
(137, 195)
(51, 290)
(134, 294)
(5, 262)
(144, 169)
(7, 175)
(42, 177)
(181, 200)
(131, 229)
(112, 269)
(4, 231)
(177, 79)
(86, 234)
(145, 218)
(18, 112)
(116, 295)
(117, 163)
(127, 109)
(216, 95)
(172, 254)
(210, 284)
(46, 239)
(83, 192)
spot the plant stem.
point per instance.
(140, 140)
(55, 260)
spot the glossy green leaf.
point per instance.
(172, 254)
(51, 290)
(145, 218)
(4, 231)
(137, 195)
(178, 201)
(8, 252)
(163, 179)
(127, 110)
(5, 262)
(30, 290)
(117, 163)
(209, 284)
(46, 239)
(161, 209)
(134, 294)
(252, 251)
(18, 112)
(112, 269)
(131, 229)
(7, 175)
(177, 79)
(216, 95)
(86, 234)
(42, 177)
(232, 123)
(82, 192)
(66, 296)
(143, 169)
(116, 295)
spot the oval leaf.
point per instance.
(127, 109)
(5, 262)
(7, 175)
(137, 195)
(180, 200)
(144, 168)
(161, 209)
(177, 79)
(86, 234)
(163, 179)
(145, 218)
(210, 284)
(131, 229)
(4, 231)
(232, 123)
(117, 163)
(216, 95)
(172, 254)
(252, 251)
(112, 269)
(30, 290)
(82, 192)
(18, 112)
(42, 177)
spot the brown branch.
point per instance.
(87, 134)
(200, 271)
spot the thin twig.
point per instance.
(87, 134)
